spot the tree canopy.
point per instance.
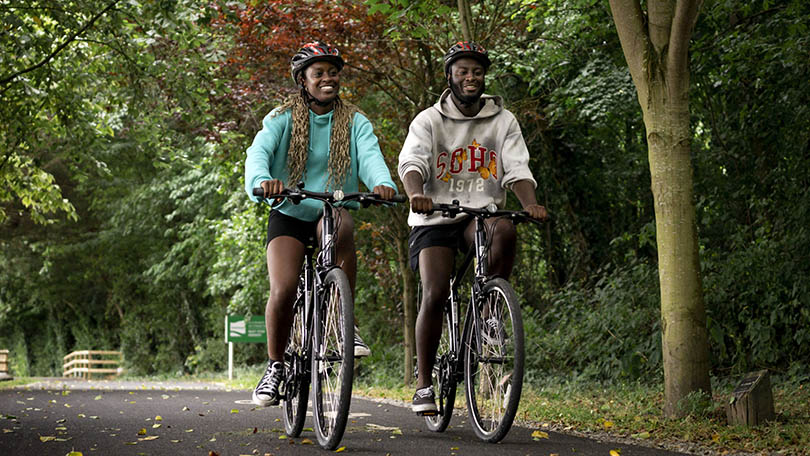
(123, 127)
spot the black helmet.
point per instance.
(311, 53)
(466, 49)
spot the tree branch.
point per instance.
(70, 39)
(629, 20)
(683, 22)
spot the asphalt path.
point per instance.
(55, 417)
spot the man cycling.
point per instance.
(317, 138)
(466, 147)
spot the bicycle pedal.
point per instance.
(428, 413)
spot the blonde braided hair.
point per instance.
(339, 154)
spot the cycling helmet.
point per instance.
(311, 53)
(466, 49)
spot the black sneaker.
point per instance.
(424, 401)
(360, 347)
(266, 392)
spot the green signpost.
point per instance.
(241, 329)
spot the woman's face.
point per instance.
(322, 81)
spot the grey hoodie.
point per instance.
(469, 159)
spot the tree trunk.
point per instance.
(465, 19)
(655, 46)
(683, 316)
(408, 307)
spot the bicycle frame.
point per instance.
(313, 275)
(478, 255)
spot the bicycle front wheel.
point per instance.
(444, 377)
(296, 385)
(493, 362)
(333, 359)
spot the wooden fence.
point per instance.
(4, 365)
(86, 363)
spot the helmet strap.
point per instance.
(309, 99)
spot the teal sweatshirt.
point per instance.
(267, 159)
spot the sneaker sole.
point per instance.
(425, 409)
(262, 403)
(361, 352)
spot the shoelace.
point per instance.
(424, 392)
(271, 379)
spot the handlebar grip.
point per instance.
(258, 191)
(399, 198)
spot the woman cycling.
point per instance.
(316, 138)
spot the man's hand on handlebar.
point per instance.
(421, 204)
(536, 211)
(387, 193)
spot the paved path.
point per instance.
(56, 417)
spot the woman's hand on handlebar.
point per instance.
(387, 193)
(421, 204)
(536, 211)
(272, 187)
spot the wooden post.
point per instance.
(751, 402)
(4, 366)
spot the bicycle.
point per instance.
(320, 349)
(488, 356)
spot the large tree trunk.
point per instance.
(655, 45)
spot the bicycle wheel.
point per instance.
(444, 377)
(493, 362)
(296, 384)
(333, 359)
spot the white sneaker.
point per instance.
(360, 348)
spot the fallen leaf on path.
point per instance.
(234, 410)
(158, 418)
(340, 450)
(540, 434)
(615, 452)
(75, 453)
(149, 437)
(156, 425)
(306, 441)
(47, 438)
(97, 398)
(142, 431)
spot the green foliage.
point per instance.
(610, 330)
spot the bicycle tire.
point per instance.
(444, 377)
(493, 362)
(296, 386)
(333, 359)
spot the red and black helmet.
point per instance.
(466, 49)
(311, 53)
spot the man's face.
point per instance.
(467, 80)
(322, 81)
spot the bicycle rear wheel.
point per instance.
(444, 377)
(493, 362)
(333, 359)
(296, 359)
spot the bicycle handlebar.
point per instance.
(453, 209)
(297, 194)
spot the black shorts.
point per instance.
(450, 235)
(279, 224)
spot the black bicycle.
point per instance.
(488, 354)
(321, 344)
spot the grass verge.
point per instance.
(633, 412)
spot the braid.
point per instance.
(339, 153)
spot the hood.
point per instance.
(492, 106)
